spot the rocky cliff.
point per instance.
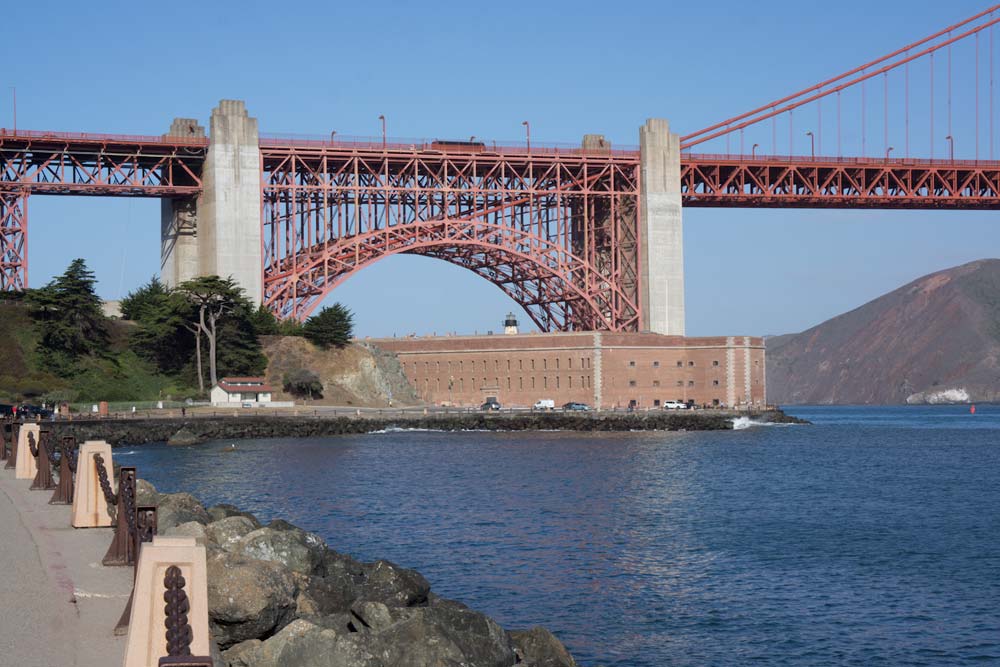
(934, 340)
(359, 374)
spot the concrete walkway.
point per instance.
(58, 604)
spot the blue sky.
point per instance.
(454, 69)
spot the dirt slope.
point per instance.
(936, 339)
(360, 374)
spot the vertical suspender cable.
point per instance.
(819, 123)
(774, 133)
(991, 94)
(977, 95)
(885, 111)
(949, 91)
(863, 128)
(791, 122)
(932, 106)
(906, 104)
(840, 152)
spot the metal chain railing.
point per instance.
(43, 475)
(67, 470)
(179, 634)
(123, 547)
(102, 476)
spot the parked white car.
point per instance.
(544, 404)
(674, 405)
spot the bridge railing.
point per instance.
(272, 140)
(8, 133)
(802, 160)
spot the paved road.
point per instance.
(58, 604)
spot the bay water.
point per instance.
(871, 537)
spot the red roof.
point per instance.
(234, 385)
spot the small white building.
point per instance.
(231, 391)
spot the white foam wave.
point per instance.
(740, 423)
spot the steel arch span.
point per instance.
(558, 233)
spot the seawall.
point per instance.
(136, 431)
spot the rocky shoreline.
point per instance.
(278, 596)
(195, 430)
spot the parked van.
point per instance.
(544, 404)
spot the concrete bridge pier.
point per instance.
(179, 222)
(219, 232)
(662, 230)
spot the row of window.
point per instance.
(680, 383)
(680, 364)
(458, 384)
(460, 366)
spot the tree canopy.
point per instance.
(331, 327)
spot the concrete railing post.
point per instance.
(26, 467)
(90, 509)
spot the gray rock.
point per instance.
(334, 562)
(222, 511)
(297, 550)
(241, 655)
(216, 654)
(440, 635)
(305, 644)
(538, 647)
(248, 599)
(376, 616)
(332, 594)
(145, 493)
(393, 585)
(230, 530)
(189, 529)
(173, 509)
(185, 437)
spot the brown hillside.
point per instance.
(360, 375)
(938, 333)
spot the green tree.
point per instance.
(303, 383)
(146, 301)
(331, 327)
(74, 324)
(264, 322)
(222, 315)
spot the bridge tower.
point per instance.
(219, 231)
(662, 237)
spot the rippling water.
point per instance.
(869, 538)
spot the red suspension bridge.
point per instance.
(570, 233)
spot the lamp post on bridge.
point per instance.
(333, 133)
(812, 144)
(527, 130)
(951, 147)
(382, 118)
(887, 151)
(753, 150)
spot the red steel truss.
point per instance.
(557, 232)
(13, 240)
(804, 182)
(98, 164)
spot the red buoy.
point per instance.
(972, 409)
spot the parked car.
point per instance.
(674, 405)
(491, 405)
(6, 410)
(32, 411)
(544, 404)
(575, 407)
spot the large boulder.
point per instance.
(393, 585)
(439, 635)
(185, 437)
(305, 644)
(229, 531)
(223, 510)
(247, 599)
(241, 655)
(538, 647)
(173, 509)
(145, 493)
(332, 594)
(189, 529)
(297, 550)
